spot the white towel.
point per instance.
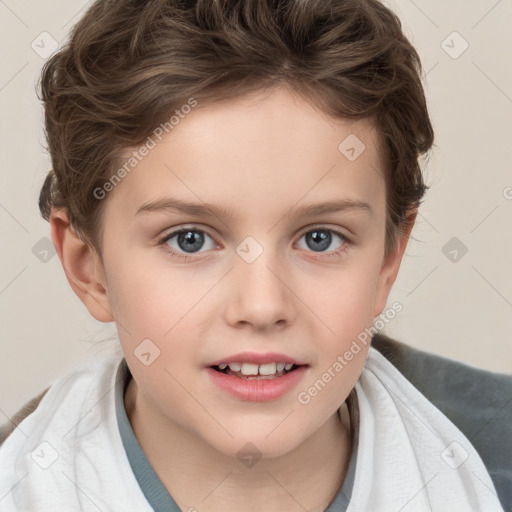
(68, 454)
(411, 457)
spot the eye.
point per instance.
(320, 239)
(187, 240)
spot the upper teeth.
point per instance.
(254, 369)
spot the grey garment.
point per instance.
(150, 484)
(478, 402)
(154, 490)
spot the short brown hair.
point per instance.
(128, 63)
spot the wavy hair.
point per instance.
(128, 63)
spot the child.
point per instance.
(251, 376)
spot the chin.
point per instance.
(248, 449)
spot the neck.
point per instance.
(200, 477)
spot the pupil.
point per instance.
(323, 238)
(190, 240)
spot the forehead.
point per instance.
(267, 151)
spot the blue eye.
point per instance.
(320, 239)
(188, 240)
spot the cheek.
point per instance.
(347, 296)
(149, 299)
(155, 317)
(346, 311)
(170, 307)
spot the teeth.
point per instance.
(268, 369)
(248, 369)
(254, 369)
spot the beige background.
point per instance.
(460, 309)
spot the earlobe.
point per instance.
(391, 266)
(82, 266)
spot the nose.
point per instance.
(260, 294)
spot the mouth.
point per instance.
(256, 383)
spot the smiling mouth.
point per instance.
(279, 373)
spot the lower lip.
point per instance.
(257, 390)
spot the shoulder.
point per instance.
(478, 402)
(96, 374)
(7, 428)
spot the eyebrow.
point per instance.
(170, 204)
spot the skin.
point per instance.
(262, 156)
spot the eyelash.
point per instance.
(183, 256)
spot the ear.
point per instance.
(82, 266)
(391, 265)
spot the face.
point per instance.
(260, 273)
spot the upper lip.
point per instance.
(256, 358)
